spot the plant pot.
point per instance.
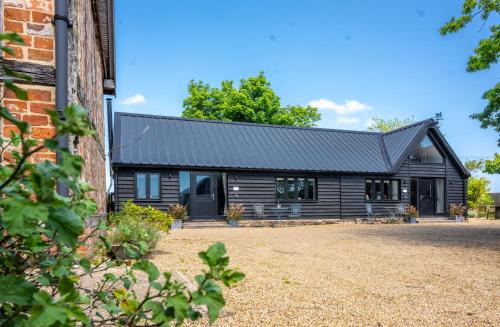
(120, 252)
(176, 224)
(412, 220)
(234, 223)
(459, 219)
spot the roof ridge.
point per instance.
(425, 121)
(245, 123)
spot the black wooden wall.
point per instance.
(337, 196)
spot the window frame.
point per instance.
(382, 183)
(148, 186)
(438, 149)
(295, 199)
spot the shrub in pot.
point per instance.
(411, 214)
(178, 213)
(457, 210)
(234, 213)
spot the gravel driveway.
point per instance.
(443, 274)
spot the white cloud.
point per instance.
(349, 107)
(369, 123)
(347, 120)
(133, 100)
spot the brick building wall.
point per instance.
(32, 19)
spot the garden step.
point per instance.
(205, 224)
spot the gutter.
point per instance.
(61, 23)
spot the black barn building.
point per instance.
(207, 165)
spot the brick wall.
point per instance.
(32, 20)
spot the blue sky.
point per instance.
(360, 58)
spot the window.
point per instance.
(368, 189)
(295, 189)
(426, 152)
(382, 189)
(147, 186)
(184, 188)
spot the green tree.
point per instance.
(488, 166)
(492, 166)
(386, 125)
(41, 273)
(477, 192)
(485, 54)
(254, 101)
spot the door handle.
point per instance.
(213, 196)
(421, 197)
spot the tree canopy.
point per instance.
(253, 101)
(489, 166)
(477, 192)
(485, 54)
(387, 125)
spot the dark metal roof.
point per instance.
(179, 142)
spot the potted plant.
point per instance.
(179, 213)
(411, 213)
(234, 213)
(457, 210)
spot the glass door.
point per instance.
(440, 196)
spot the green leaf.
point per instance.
(20, 216)
(214, 254)
(67, 225)
(85, 264)
(148, 268)
(16, 290)
(5, 113)
(13, 73)
(210, 295)
(20, 93)
(177, 307)
(46, 312)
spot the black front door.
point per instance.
(203, 197)
(426, 196)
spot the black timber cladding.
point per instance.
(191, 143)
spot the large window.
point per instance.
(377, 189)
(295, 189)
(426, 152)
(147, 186)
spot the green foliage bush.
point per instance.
(132, 212)
(134, 232)
(41, 272)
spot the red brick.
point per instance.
(18, 52)
(39, 95)
(8, 94)
(17, 14)
(39, 108)
(36, 120)
(45, 156)
(16, 106)
(41, 55)
(11, 26)
(43, 5)
(5, 122)
(41, 17)
(42, 132)
(8, 128)
(46, 43)
(27, 40)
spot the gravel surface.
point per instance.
(442, 274)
